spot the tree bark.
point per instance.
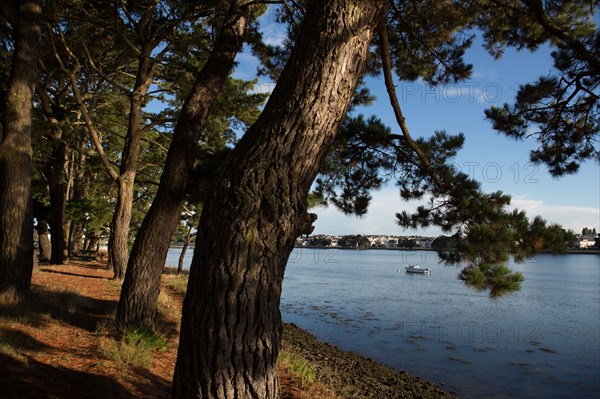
(78, 191)
(119, 228)
(118, 243)
(56, 175)
(188, 239)
(75, 243)
(231, 326)
(92, 243)
(44, 240)
(139, 293)
(16, 217)
(58, 201)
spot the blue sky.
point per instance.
(499, 163)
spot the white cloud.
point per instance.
(485, 74)
(274, 34)
(570, 217)
(380, 219)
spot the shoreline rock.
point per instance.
(351, 375)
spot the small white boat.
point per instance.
(417, 269)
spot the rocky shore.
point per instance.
(351, 375)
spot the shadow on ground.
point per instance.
(29, 378)
(67, 306)
(59, 373)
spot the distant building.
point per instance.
(584, 242)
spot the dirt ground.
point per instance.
(51, 347)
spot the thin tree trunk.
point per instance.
(75, 238)
(139, 293)
(56, 174)
(231, 326)
(92, 244)
(118, 250)
(58, 203)
(119, 231)
(44, 240)
(16, 217)
(78, 190)
(188, 239)
(118, 242)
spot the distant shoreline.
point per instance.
(567, 252)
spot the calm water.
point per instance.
(541, 342)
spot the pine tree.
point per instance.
(16, 218)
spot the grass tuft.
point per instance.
(176, 282)
(298, 367)
(134, 348)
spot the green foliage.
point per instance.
(443, 244)
(407, 243)
(498, 279)
(105, 76)
(588, 232)
(487, 234)
(320, 242)
(560, 110)
(428, 39)
(352, 168)
(237, 106)
(366, 155)
(315, 199)
(354, 241)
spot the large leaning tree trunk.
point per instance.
(231, 327)
(139, 294)
(16, 217)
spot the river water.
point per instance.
(540, 342)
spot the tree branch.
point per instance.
(119, 29)
(536, 8)
(113, 82)
(84, 111)
(155, 123)
(384, 48)
(47, 108)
